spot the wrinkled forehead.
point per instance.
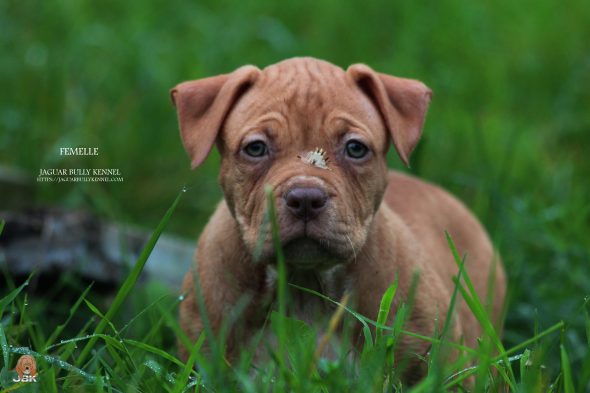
(304, 95)
(304, 84)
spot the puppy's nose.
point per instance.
(306, 203)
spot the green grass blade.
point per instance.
(367, 321)
(3, 346)
(276, 240)
(142, 312)
(71, 313)
(281, 279)
(438, 350)
(473, 301)
(526, 356)
(585, 371)
(188, 367)
(361, 318)
(451, 309)
(566, 370)
(500, 358)
(6, 300)
(3, 342)
(115, 343)
(559, 325)
(385, 307)
(56, 362)
(115, 355)
(156, 351)
(97, 312)
(173, 325)
(131, 280)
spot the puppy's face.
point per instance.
(324, 208)
(270, 131)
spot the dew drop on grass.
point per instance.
(170, 378)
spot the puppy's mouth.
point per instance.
(314, 245)
(308, 253)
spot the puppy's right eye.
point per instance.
(356, 149)
(256, 149)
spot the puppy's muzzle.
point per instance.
(306, 203)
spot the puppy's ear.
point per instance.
(202, 106)
(402, 103)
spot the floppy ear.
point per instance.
(202, 105)
(402, 103)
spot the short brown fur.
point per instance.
(376, 225)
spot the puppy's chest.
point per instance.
(309, 307)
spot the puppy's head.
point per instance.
(318, 135)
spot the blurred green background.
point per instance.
(508, 130)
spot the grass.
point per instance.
(122, 362)
(507, 132)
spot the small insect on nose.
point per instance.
(306, 203)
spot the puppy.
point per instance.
(318, 136)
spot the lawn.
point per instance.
(508, 131)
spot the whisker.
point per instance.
(351, 246)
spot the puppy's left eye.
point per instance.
(256, 149)
(356, 149)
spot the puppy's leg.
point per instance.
(226, 277)
(391, 252)
(190, 321)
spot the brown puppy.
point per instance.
(347, 224)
